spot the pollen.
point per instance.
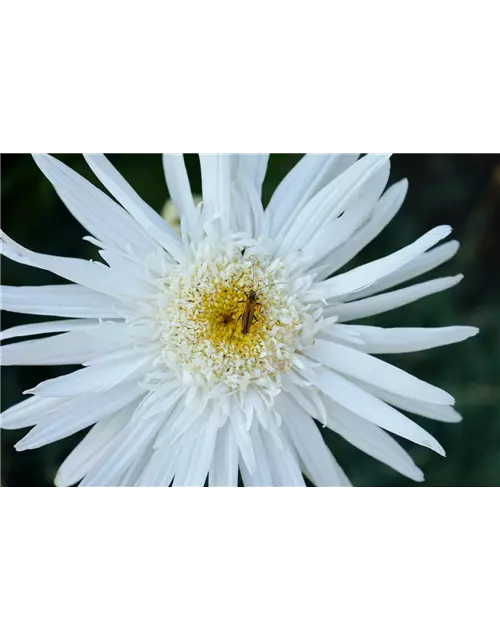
(199, 319)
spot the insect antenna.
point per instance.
(269, 285)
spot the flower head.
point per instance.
(212, 351)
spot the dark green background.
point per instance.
(461, 190)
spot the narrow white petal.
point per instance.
(309, 399)
(28, 412)
(367, 274)
(160, 470)
(360, 185)
(243, 438)
(135, 281)
(253, 216)
(187, 450)
(252, 167)
(182, 418)
(180, 192)
(417, 267)
(224, 466)
(195, 472)
(406, 340)
(261, 475)
(367, 368)
(392, 300)
(96, 211)
(283, 462)
(344, 480)
(367, 406)
(94, 275)
(441, 412)
(217, 173)
(79, 413)
(69, 300)
(40, 328)
(75, 347)
(384, 211)
(303, 182)
(309, 444)
(131, 477)
(326, 238)
(243, 219)
(93, 447)
(145, 215)
(128, 445)
(372, 440)
(95, 378)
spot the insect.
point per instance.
(251, 303)
(247, 317)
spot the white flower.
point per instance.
(177, 387)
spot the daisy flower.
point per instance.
(226, 348)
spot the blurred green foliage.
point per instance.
(461, 190)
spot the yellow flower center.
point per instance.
(219, 332)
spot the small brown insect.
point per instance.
(251, 302)
(248, 314)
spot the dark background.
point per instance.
(461, 190)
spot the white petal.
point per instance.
(95, 378)
(367, 274)
(70, 300)
(160, 470)
(180, 192)
(93, 275)
(369, 438)
(135, 279)
(261, 475)
(441, 412)
(344, 480)
(131, 477)
(424, 263)
(252, 168)
(283, 463)
(217, 173)
(406, 340)
(224, 467)
(392, 300)
(381, 374)
(96, 211)
(93, 447)
(325, 239)
(187, 450)
(243, 438)
(367, 406)
(194, 473)
(303, 182)
(254, 212)
(128, 445)
(79, 413)
(28, 412)
(75, 347)
(309, 399)
(183, 416)
(147, 217)
(309, 443)
(354, 187)
(38, 328)
(384, 211)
